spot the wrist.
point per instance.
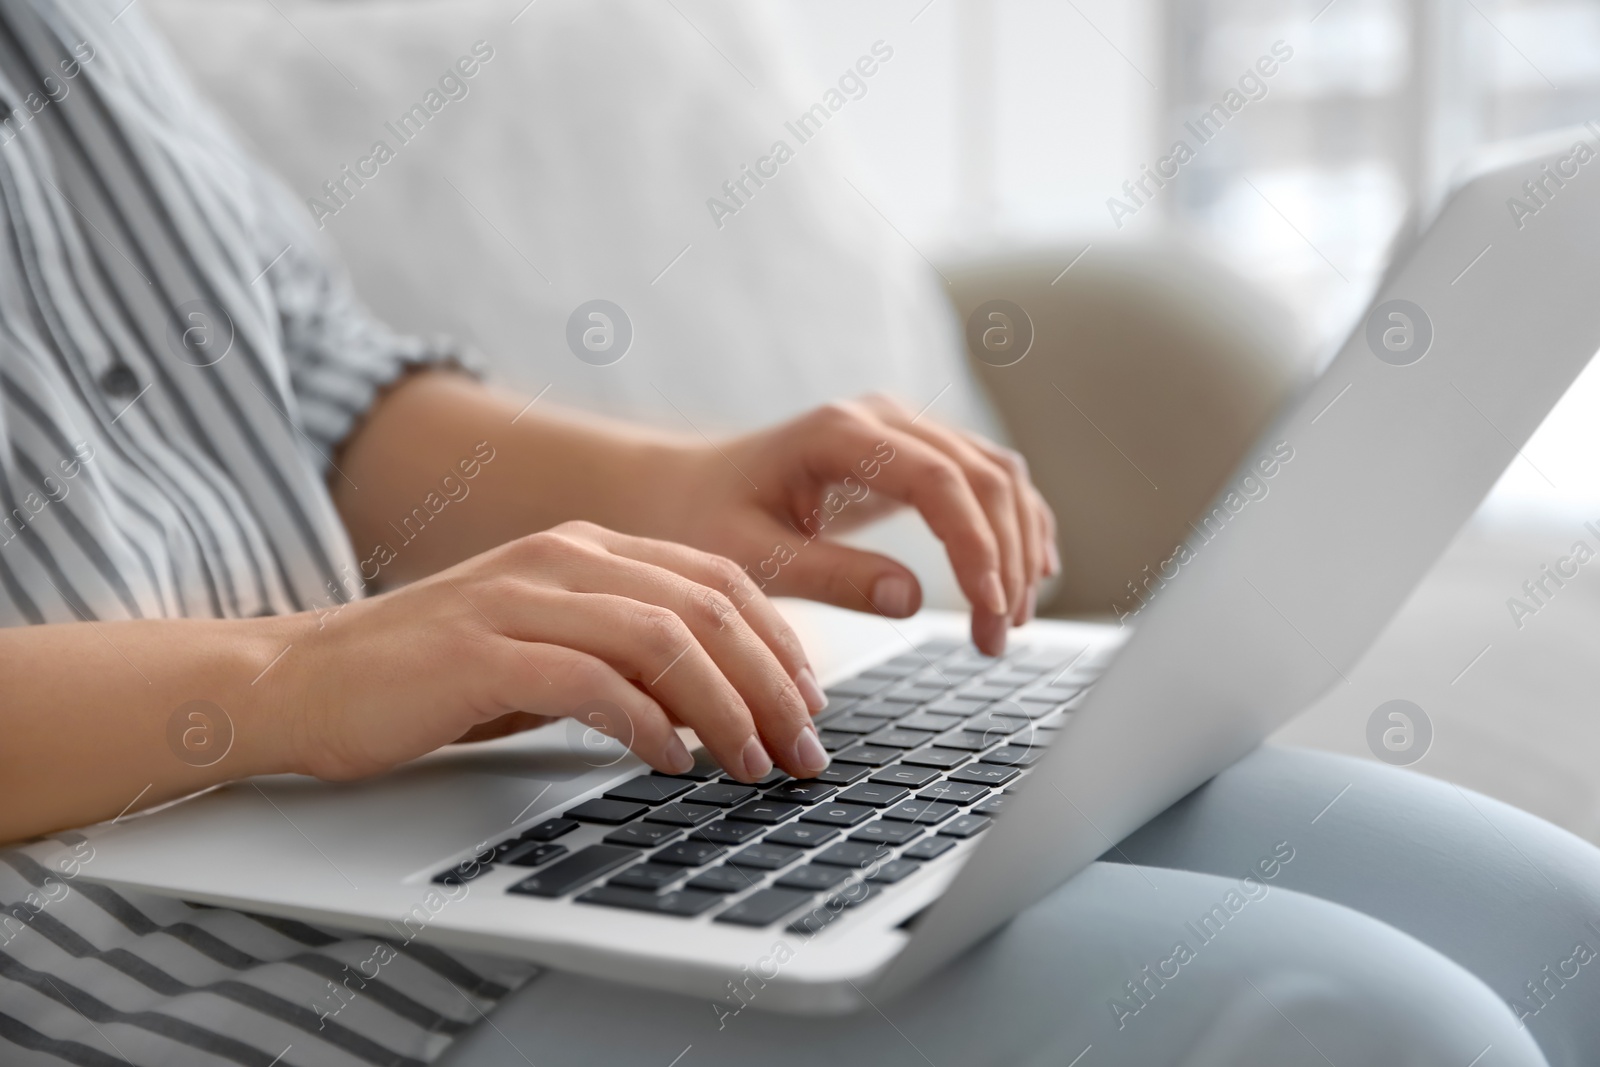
(273, 670)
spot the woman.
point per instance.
(211, 453)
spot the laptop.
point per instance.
(963, 789)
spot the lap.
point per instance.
(1509, 897)
(1372, 931)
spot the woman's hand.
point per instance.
(766, 500)
(632, 635)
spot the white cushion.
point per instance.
(578, 166)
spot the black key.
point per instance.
(812, 876)
(770, 812)
(928, 848)
(801, 835)
(986, 692)
(464, 872)
(582, 866)
(887, 832)
(1012, 677)
(853, 854)
(812, 920)
(855, 687)
(939, 646)
(871, 755)
(956, 706)
(832, 814)
(643, 835)
(919, 694)
(1059, 694)
(1031, 708)
(995, 723)
(993, 806)
(966, 826)
(689, 853)
(681, 814)
(929, 722)
(954, 792)
(894, 871)
(685, 902)
(857, 723)
(833, 741)
(895, 668)
(874, 793)
(809, 791)
(649, 789)
(548, 830)
(984, 774)
(606, 811)
(651, 876)
(724, 880)
(766, 856)
(722, 794)
(533, 854)
(1014, 756)
(772, 778)
(894, 737)
(886, 710)
(843, 773)
(968, 741)
(934, 756)
(906, 775)
(764, 907)
(925, 812)
(705, 768)
(727, 832)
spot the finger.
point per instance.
(1026, 500)
(767, 689)
(652, 644)
(848, 578)
(724, 575)
(545, 681)
(995, 484)
(1042, 518)
(841, 442)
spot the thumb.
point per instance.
(848, 578)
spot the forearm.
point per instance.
(90, 719)
(444, 468)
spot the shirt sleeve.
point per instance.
(340, 356)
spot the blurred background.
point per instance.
(960, 152)
(1014, 120)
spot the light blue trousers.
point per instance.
(1388, 918)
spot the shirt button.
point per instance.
(119, 381)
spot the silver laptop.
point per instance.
(963, 789)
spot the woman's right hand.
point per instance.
(658, 633)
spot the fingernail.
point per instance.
(810, 691)
(676, 756)
(892, 595)
(1033, 603)
(809, 755)
(757, 764)
(993, 592)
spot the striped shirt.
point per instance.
(179, 359)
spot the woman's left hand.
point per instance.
(767, 500)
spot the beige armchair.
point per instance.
(1152, 367)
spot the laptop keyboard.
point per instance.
(926, 749)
